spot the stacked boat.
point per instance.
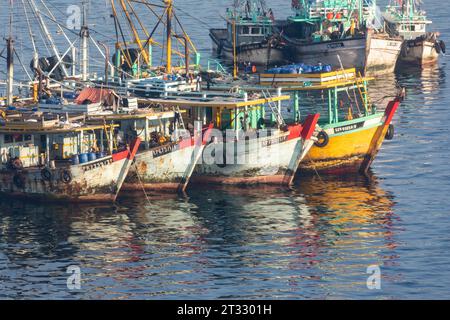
(146, 128)
(340, 33)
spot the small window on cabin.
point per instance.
(245, 30)
(256, 30)
(18, 138)
(8, 138)
(27, 137)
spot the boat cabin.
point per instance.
(408, 26)
(251, 24)
(153, 126)
(236, 111)
(342, 94)
(28, 141)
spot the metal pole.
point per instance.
(169, 36)
(106, 61)
(234, 51)
(84, 34)
(10, 66)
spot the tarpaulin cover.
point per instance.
(94, 95)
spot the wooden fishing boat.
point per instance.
(342, 34)
(353, 130)
(60, 159)
(249, 35)
(165, 161)
(245, 147)
(405, 19)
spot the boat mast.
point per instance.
(233, 31)
(84, 33)
(46, 32)
(10, 59)
(33, 40)
(169, 4)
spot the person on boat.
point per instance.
(199, 82)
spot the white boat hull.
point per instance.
(419, 53)
(382, 55)
(269, 160)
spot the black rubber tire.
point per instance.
(437, 47)
(46, 174)
(443, 46)
(66, 176)
(390, 133)
(325, 140)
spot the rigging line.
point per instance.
(127, 54)
(33, 40)
(193, 17)
(185, 33)
(137, 18)
(103, 55)
(134, 31)
(59, 27)
(23, 67)
(58, 23)
(44, 40)
(149, 39)
(157, 16)
(148, 4)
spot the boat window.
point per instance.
(18, 138)
(8, 138)
(27, 137)
(245, 30)
(256, 30)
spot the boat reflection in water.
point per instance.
(315, 240)
(426, 83)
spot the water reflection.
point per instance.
(426, 84)
(313, 241)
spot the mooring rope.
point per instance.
(142, 185)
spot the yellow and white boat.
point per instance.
(353, 131)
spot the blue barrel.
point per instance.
(83, 158)
(101, 155)
(92, 156)
(75, 160)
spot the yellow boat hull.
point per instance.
(352, 145)
(343, 152)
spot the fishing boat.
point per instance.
(247, 145)
(167, 156)
(55, 158)
(405, 19)
(344, 34)
(250, 35)
(352, 131)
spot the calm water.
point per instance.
(314, 241)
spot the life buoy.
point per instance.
(66, 176)
(322, 139)
(46, 174)
(19, 181)
(390, 133)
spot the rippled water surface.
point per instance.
(314, 241)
